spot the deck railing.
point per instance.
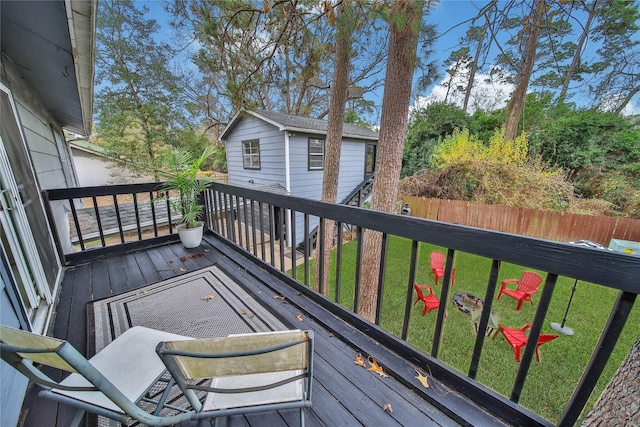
(110, 219)
(268, 225)
(233, 212)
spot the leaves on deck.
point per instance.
(207, 250)
(422, 378)
(299, 317)
(186, 257)
(208, 297)
(184, 270)
(373, 363)
(387, 408)
(280, 297)
(376, 368)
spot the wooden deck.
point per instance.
(343, 393)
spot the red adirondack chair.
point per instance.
(430, 301)
(527, 285)
(437, 267)
(517, 339)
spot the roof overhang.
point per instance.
(243, 113)
(52, 46)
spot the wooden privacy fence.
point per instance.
(551, 225)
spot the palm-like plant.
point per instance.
(181, 169)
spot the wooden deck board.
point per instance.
(343, 394)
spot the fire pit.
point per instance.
(472, 305)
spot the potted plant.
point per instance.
(181, 170)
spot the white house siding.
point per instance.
(272, 166)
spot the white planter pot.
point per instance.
(190, 237)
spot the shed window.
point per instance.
(251, 154)
(316, 154)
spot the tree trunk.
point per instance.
(618, 404)
(522, 79)
(333, 144)
(578, 53)
(404, 27)
(474, 64)
(627, 99)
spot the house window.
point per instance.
(316, 154)
(251, 154)
(370, 159)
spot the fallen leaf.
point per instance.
(171, 260)
(422, 379)
(207, 250)
(186, 257)
(299, 317)
(244, 312)
(280, 297)
(376, 368)
(360, 360)
(388, 408)
(208, 297)
(184, 270)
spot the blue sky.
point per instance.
(450, 16)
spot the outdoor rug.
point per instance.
(202, 304)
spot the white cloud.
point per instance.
(489, 92)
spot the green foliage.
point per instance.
(181, 168)
(459, 147)
(426, 126)
(220, 160)
(463, 147)
(500, 173)
(138, 103)
(590, 138)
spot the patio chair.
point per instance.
(518, 339)
(109, 384)
(527, 285)
(431, 302)
(250, 372)
(437, 266)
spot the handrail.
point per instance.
(246, 217)
(614, 270)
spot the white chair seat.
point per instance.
(129, 362)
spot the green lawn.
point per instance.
(550, 383)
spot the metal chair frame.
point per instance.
(187, 365)
(24, 350)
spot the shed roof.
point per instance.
(290, 122)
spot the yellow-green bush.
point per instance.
(462, 147)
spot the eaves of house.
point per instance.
(291, 123)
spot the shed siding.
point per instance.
(272, 166)
(304, 182)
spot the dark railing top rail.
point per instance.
(101, 190)
(612, 269)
